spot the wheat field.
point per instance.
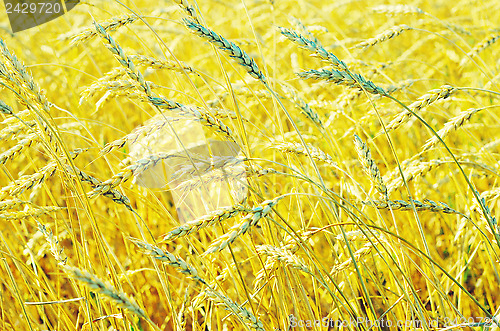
(252, 165)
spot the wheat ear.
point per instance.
(278, 254)
(370, 167)
(299, 149)
(55, 248)
(428, 205)
(397, 9)
(246, 223)
(425, 100)
(168, 258)
(314, 47)
(343, 78)
(481, 46)
(452, 124)
(386, 35)
(113, 194)
(110, 25)
(205, 221)
(105, 289)
(127, 173)
(227, 46)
